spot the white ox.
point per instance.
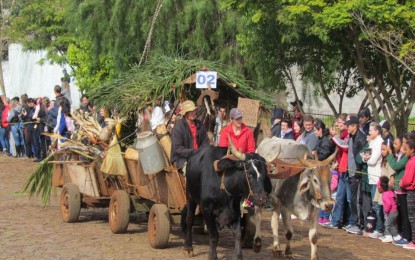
(301, 194)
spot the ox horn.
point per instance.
(331, 157)
(241, 156)
(304, 161)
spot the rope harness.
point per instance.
(222, 184)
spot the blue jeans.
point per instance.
(343, 194)
(325, 215)
(4, 139)
(18, 139)
(377, 208)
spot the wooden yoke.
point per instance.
(284, 170)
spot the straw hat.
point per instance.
(187, 106)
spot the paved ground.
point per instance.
(29, 231)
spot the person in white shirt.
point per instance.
(157, 115)
(373, 158)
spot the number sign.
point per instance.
(204, 79)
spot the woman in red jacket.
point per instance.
(242, 136)
(408, 184)
(4, 127)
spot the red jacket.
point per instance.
(244, 141)
(408, 179)
(342, 153)
(4, 116)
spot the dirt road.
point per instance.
(29, 231)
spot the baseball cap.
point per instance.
(353, 120)
(235, 113)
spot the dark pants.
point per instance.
(36, 141)
(410, 199)
(365, 207)
(404, 226)
(27, 132)
(354, 185)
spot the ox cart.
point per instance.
(161, 195)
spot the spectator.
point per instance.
(398, 162)
(390, 209)
(221, 121)
(286, 131)
(308, 137)
(365, 120)
(39, 140)
(242, 136)
(157, 116)
(27, 115)
(4, 127)
(13, 119)
(408, 183)
(276, 117)
(355, 143)
(84, 104)
(188, 135)
(324, 146)
(386, 134)
(373, 158)
(297, 114)
(365, 203)
(298, 129)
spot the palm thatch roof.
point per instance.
(170, 77)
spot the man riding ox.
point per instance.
(299, 186)
(221, 185)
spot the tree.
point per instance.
(6, 8)
(41, 25)
(389, 84)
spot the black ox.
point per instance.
(219, 191)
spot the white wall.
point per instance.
(24, 74)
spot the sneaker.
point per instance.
(331, 226)
(323, 221)
(401, 242)
(387, 239)
(376, 234)
(347, 227)
(409, 246)
(354, 230)
(382, 237)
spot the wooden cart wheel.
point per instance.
(119, 212)
(159, 226)
(70, 203)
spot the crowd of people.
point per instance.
(373, 177)
(25, 120)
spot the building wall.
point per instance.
(24, 74)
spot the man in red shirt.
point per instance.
(241, 136)
(188, 135)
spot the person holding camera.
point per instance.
(373, 157)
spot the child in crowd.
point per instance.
(397, 162)
(324, 217)
(390, 209)
(408, 183)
